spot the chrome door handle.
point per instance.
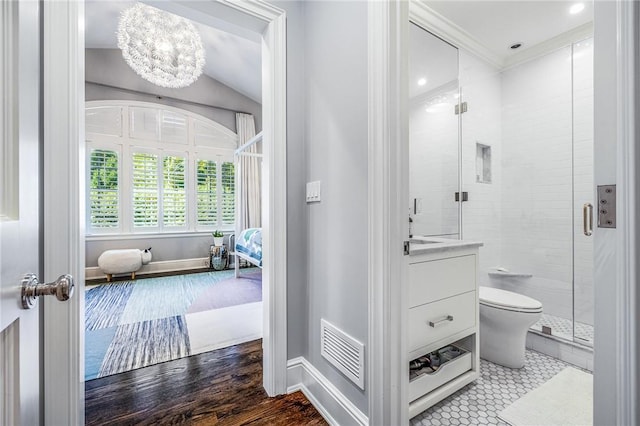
(443, 321)
(62, 288)
(587, 219)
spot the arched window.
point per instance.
(154, 168)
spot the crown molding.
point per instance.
(557, 42)
(423, 16)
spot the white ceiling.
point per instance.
(499, 24)
(232, 60)
(493, 26)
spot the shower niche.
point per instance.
(483, 163)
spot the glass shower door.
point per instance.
(434, 172)
(583, 186)
(517, 157)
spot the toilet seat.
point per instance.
(508, 300)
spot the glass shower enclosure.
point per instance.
(505, 156)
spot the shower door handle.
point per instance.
(587, 219)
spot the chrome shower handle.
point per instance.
(587, 219)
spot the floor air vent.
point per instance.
(343, 351)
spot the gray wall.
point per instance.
(106, 67)
(336, 139)
(163, 248)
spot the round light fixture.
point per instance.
(422, 81)
(576, 8)
(160, 47)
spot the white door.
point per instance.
(20, 349)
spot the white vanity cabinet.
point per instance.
(442, 313)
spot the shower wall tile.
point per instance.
(537, 189)
(481, 215)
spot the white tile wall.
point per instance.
(524, 216)
(537, 185)
(540, 193)
(482, 214)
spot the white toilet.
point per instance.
(505, 317)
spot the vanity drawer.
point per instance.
(434, 321)
(439, 279)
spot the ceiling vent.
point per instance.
(343, 351)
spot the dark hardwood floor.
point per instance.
(222, 387)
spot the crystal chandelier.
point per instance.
(160, 47)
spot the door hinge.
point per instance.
(406, 248)
(465, 196)
(606, 206)
(461, 107)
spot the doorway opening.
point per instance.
(166, 189)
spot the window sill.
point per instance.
(150, 235)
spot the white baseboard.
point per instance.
(328, 400)
(94, 272)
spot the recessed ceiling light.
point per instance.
(515, 46)
(422, 82)
(576, 8)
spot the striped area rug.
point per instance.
(133, 324)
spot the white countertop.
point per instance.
(435, 245)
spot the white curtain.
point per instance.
(250, 177)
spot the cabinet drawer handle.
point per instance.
(444, 320)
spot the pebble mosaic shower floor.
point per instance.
(480, 402)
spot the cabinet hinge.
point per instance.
(406, 248)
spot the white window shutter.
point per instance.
(145, 190)
(174, 192)
(104, 194)
(207, 200)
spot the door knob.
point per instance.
(62, 288)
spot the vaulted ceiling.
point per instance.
(231, 59)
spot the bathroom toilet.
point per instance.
(505, 318)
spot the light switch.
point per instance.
(313, 192)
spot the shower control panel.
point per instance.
(606, 206)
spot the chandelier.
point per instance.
(160, 47)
